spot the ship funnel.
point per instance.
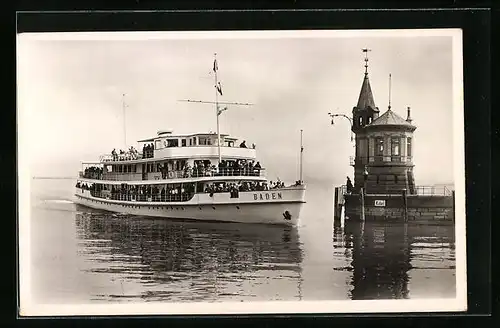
(163, 132)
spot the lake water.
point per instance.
(82, 255)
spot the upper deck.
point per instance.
(168, 146)
(169, 156)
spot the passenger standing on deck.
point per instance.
(349, 185)
(243, 145)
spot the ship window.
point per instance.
(395, 179)
(183, 142)
(378, 179)
(194, 141)
(172, 143)
(190, 142)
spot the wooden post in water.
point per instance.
(362, 198)
(337, 209)
(336, 204)
(453, 204)
(405, 206)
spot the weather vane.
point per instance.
(365, 50)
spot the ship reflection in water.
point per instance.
(388, 260)
(190, 261)
(163, 260)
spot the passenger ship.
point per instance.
(203, 176)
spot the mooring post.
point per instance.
(336, 204)
(405, 206)
(362, 195)
(453, 205)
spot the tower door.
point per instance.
(411, 182)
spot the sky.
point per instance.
(70, 96)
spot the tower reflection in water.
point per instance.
(384, 254)
(188, 261)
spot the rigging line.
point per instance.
(213, 102)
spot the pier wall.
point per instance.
(386, 207)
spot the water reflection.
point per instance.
(384, 254)
(182, 260)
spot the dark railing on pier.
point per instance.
(379, 159)
(433, 191)
(418, 190)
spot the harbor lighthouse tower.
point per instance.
(383, 157)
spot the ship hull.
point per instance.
(281, 207)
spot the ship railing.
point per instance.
(128, 156)
(183, 197)
(353, 160)
(178, 174)
(91, 175)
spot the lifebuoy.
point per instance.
(171, 175)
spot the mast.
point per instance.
(301, 156)
(124, 123)
(217, 90)
(218, 110)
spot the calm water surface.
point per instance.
(82, 255)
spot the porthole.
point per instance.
(199, 208)
(237, 207)
(213, 207)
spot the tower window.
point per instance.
(395, 179)
(378, 179)
(360, 120)
(395, 146)
(369, 120)
(408, 147)
(379, 146)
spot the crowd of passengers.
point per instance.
(167, 193)
(144, 193)
(131, 154)
(218, 187)
(147, 150)
(225, 168)
(83, 186)
(93, 172)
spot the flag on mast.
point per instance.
(219, 88)
(216, 67)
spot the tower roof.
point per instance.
(391, 118)
(365, 99)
